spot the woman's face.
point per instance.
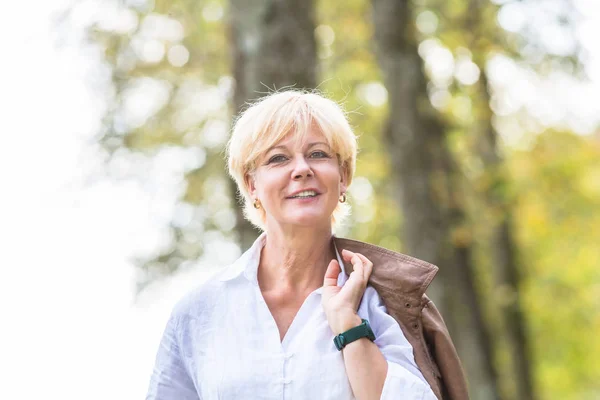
(298, 183)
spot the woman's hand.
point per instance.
(341, 303)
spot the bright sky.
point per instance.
(70, 330)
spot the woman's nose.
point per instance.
(301, 168)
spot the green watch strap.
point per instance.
(360, 331)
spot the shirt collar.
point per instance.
(247, 264)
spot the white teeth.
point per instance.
(306, 193)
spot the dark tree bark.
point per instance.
(273, 46)
(503, 243)
(429, 194)
(508, 275)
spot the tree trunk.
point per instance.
(508, 275)
(429, 194)
(503, 244)
(273, 46)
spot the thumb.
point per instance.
(331, 275)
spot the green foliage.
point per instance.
(558, 225)
(180, 48)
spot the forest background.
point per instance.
(480, 152)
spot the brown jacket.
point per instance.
(401, 282)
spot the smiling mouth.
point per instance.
(305, 195)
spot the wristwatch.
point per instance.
(363, 330)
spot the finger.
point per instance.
(368, 265)
(353, 258)
(358, 270)
(331, 274)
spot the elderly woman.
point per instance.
(285, 321)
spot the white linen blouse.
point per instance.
(221, 342)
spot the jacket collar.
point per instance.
(392, 271)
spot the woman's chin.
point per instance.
(310, 219)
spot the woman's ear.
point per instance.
(344, 178)
(249, 182)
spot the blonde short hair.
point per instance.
(267, 121)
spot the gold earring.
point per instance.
(343, 198)
(256, 204)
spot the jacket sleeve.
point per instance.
(404, 379)
(170, 379)
(444, 353)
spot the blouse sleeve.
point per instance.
(170, 379)
(404, 379)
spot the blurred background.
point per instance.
(479, 129)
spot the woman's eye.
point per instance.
(319, 154)
(277, 158)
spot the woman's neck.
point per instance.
(295, 261)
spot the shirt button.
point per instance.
(287, 381)
(288, 355)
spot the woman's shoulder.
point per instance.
(397, 272)
(204, 298)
